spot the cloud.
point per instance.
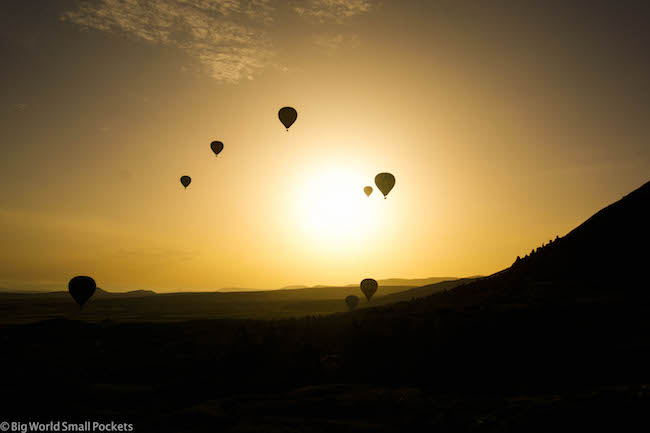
(228, 37)
(333, 42)
(16, 108)
(332, 10)
(260, 10)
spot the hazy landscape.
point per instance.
(146, 305)
(543, 342)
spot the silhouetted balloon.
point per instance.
(216, 147)
(369, 287)
(352, 301)
(287, 116)
(186, 180)
(368, 190)
(385, 182)
(81, 289)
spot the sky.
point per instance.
(505, 124)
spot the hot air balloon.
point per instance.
(186, 180)
(216, 147)
(352, 301)
(287, 116)
(385, 182)
(81, 289)
(368, 190)
(369, 287)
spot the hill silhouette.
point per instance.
(601, 257)
(558, 341)
(610, 241)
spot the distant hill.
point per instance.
(141, 293)
(391, 282)
(415, 282)
(308, 293)
(134, 293)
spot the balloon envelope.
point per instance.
(352, 301)
(287, 116)
(186, 180)
(216, 147)
(369, 287)
(385, 182)
(81, 288)
(368, 190)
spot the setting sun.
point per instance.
(332, 208)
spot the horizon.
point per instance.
(504, 126)
(241, 289)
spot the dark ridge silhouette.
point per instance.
(609, 242)
(602, 255)
(558, 341)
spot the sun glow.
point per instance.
(332, 208)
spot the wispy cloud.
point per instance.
(228, 37)
(260, 11)
(332, 10)
(333, 42)
(16, 108)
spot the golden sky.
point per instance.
(505, 124)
